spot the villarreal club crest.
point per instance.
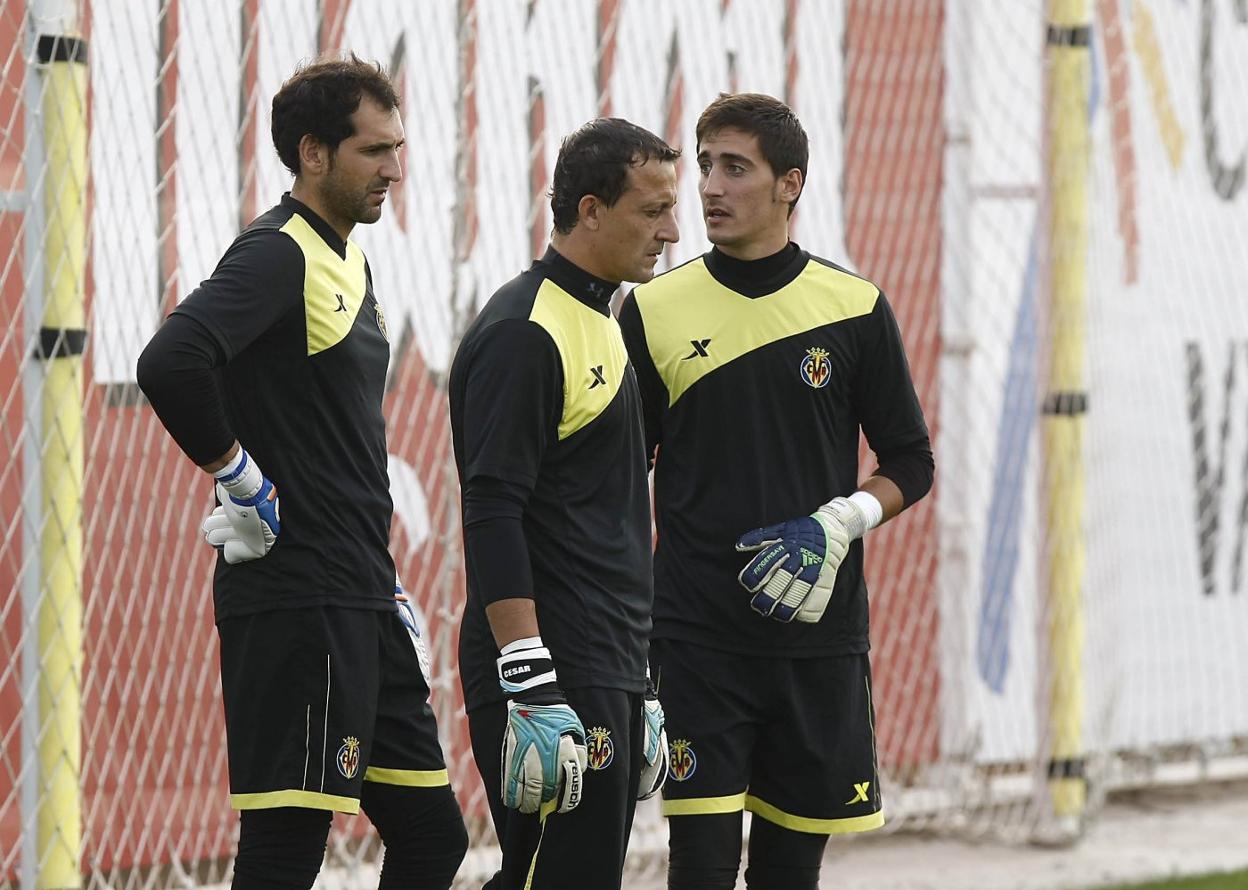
(815, 368)
(682, 762)
(349, 757)
(381, 321)
(599, 749)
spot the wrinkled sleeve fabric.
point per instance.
(255, 285)
(512, 404)
(888, 407)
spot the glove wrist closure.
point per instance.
(526, 672)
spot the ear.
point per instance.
(789, 186)
(313, 155)
(589, 212)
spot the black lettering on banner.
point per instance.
(1209, 451)
(1227, 181)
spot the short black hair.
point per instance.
(319, 99)
(594, 160)
(780, 136)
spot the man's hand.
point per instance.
(246, 525)
(655, 753)
(543, 757)
(793, 575)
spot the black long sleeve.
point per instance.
(177, 373)
(495, 550)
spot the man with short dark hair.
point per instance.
(545, 418)
(278, 361)
(758, 365)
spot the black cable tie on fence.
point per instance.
(1069, 35)
(59, 48)
(61, 342)
(1069, 768)
(1070, 404)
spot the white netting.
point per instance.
(1071, 595)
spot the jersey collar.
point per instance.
(757, 278)
(322, 228)
(591, 290)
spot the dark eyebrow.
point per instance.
(727, 157)
(383, 144)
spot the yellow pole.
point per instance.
(62, 337)
(1067, 157)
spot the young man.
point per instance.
(325, 706)
(546, 421)
(758, 365)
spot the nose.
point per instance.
(712, 184)
(669, 232)
(393, 168)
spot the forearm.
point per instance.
(885, 491)
(222, 461)
(512, 619)
(497, 557)
(176, 373)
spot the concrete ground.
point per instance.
(1137, 837)
(1155, 833)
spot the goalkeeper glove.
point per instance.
(654, 766)
(407, 614)
(793, 576)
(246, 525)
(544, 753)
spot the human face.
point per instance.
(744, 203)
(632, 232)
(364, 166)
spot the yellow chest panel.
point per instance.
(591, 350)
(333, 288)
(695, 325)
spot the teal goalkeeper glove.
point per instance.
(544, 755)
(655, 754)
(792, 578)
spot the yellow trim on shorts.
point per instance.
(704, 806)
(295, 797)
(408, 778)
(542, 813)
(764, 810)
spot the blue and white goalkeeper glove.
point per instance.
(793, 575)
(246, 525)
(407, 614)
(544, 755)
(655, 754)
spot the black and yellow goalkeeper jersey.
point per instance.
(291, 309)
(545, 407)
(755, 379)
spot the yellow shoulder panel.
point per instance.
(333, 288)
(592, 352)
(694, 324)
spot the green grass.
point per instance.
(1226, 881)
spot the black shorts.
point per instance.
(792, 740)
(319, 700)
(586, 847)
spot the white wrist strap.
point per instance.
(522, 643)
(871, 508)
(240, 476)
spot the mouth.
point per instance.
(716, 213)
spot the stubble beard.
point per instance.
(347, 204)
